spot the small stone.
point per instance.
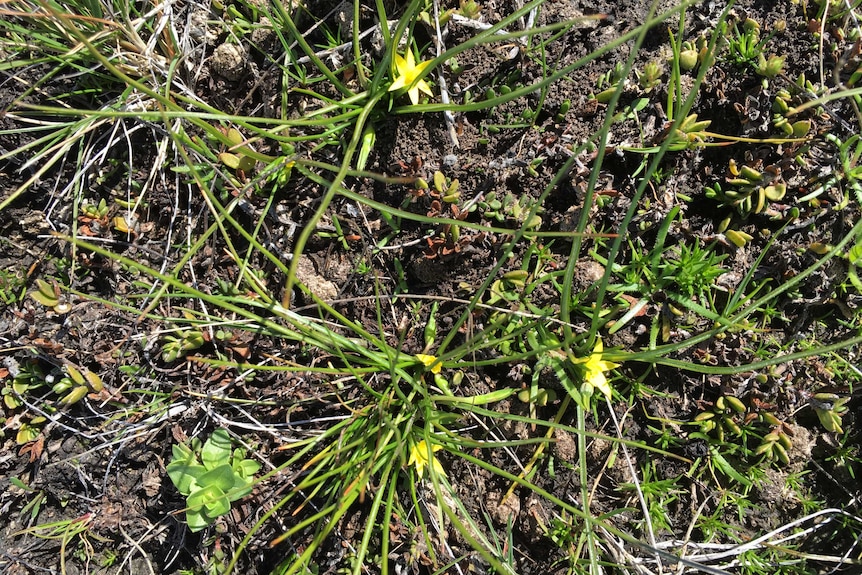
(264, 36)
(316, 283)
(450, 160)
(564, 446)
(229, 61)
(503, 511)
(199, 28)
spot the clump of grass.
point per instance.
(407, 426)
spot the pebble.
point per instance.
(229, 61)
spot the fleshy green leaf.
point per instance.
(247, 468)
(217, 449)
(222, 477)
(182, 474)
(211, 500)
(184, 468)
(197, 521)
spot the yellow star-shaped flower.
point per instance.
(430, 361)
(596, 368)
(419, 458)
(408, 70)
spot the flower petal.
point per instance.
(424, 87)
(411, 61)
(399, 83)
(419, 458)
(600, 382)
(428, 360)
(407, 72)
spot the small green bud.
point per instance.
(801, 128)
(732, 426)
(781, 453)
(770, 437)
(439, 181)
(770, 68)
(517, 277)
(75, 395)
(775, 192)
(605, 96)
(454, 233)
(739, 239)
(62, 386)
(782, 124)
(688, 59)
(770, 418)
(751, 25)
(735, 404)
(750, 174)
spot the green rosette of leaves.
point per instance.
(211, 476)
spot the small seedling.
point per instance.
(95, 211)
(176, 345)
(469, 9)
(446, 188)
(650, 76)
(722, 419)
(780, 107)
(12, 286)
(691, 133)
(848, 174)
(771, 67)
(48, 294)
(736, 237)
(211, 476)
(28, 377)
(75, 385)
(29, 430)
(72, 386)
(829, 408)
(608, 83)
(65, 532)
(775, 446)
(744, 43)
(510, 207)
(748, 190)
(508, 288)
(238, 158)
